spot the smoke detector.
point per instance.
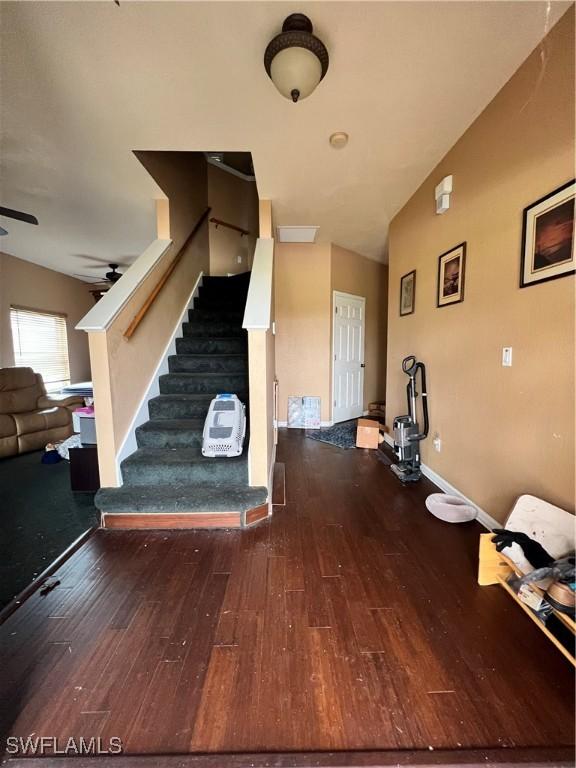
(338, 140)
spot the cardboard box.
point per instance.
(368, 433)
(377, 405)
(378, 409)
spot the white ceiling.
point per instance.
(84, 83)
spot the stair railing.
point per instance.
(141, 314)
(235, 227)
(116, 356)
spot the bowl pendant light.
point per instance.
(296, 60)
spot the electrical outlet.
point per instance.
(239, 259)
(437, 443)
(507, 357)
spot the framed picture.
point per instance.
(451, 268)
(548, 237)
(407, 293)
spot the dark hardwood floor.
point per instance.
(351, 620)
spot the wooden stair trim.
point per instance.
(170, 520)
(257, 514)
(279, 485)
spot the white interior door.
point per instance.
(348, 357)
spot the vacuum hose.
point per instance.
(424, 394)
(411, 367)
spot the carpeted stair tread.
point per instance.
(210, 315)
(157, 466)
(183, 456)
(181, 406)
(222, 345)
(172, 424)
(180, 497)
(201, 383)
(214, 363)
(214, 329)
(170, 433)
(222, 303)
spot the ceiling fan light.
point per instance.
(296, 60)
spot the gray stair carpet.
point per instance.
(168, 473)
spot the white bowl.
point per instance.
(451, 509)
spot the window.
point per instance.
(41, 343)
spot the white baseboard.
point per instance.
(280, 424)
(129, 443)
(389, 439)
(483, 517)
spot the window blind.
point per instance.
(41, 343)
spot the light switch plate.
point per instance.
(507, 357)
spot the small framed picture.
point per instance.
(407, 293)
(451, 268)
(548, 237)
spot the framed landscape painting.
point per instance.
(548, 237)
(407, 293)
(451, 267)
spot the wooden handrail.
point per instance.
(220, 223)
(139, 316)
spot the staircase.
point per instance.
(167, 478)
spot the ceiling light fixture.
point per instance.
(338, 140)
(296, 60)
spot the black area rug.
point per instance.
(342, 435)
(39, 518)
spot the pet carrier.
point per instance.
(225, 427)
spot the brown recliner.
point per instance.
(29, 418)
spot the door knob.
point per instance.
(362, 365)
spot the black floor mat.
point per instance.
(39, 518)
(342, 435)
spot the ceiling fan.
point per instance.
(109, 277)
(10, 213)
(100, 287)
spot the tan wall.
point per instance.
(355, 274)
(28, 285)
(305, 276)
(302, 307)
(234, 200)
(183, 177)
(505, 431)
(265, 218)
(123, 368)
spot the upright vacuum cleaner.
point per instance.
(407, 433)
